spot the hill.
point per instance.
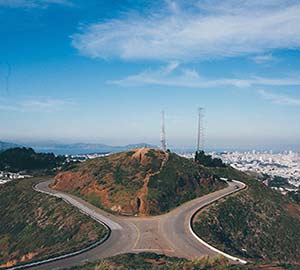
(144, 181)
(18, 159)
(5, 145)
(36, 226)
(258, 224)
(152, 261)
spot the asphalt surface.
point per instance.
(165, 234)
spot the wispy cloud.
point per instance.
(36, 105)
(173, 75)
(45, 104)
(33, 3)
(205, 30)
(264, 59)
(279, 98)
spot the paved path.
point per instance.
(167, 234)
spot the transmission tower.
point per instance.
(200, 137)
(163, 132)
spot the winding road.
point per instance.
(169, 234)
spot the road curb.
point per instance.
(205, 243)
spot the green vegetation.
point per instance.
(207, 160)
(119, 177)
(294, 196)
(5, 145)
(144, 181)
(19, 159)
(94, 199)
(152, 261)
(35, 226)
(180, 180)
(258, 224)
(278, 181)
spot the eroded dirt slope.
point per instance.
(144, 182)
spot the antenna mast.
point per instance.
(163, 132)
(200, 138)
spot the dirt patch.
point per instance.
(142, 195)
(24, 258)
(267, 267)
(161, 261)
(140, 154)
(28, 256)
(9, 264)
(293, 209)
(69, 180)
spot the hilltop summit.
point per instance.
(141, 182)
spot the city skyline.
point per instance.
(72, 71)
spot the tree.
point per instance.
(207, 160)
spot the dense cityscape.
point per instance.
(285, 164)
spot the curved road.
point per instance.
(167, 234)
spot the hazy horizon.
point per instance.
(72, 71)
(54, 144)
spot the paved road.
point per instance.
(167, 234)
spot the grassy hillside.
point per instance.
(35, 225)
(144, 181)
(258, 224)
(151, 261)
(180, 180)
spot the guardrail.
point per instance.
(71, 254)
(205, 243)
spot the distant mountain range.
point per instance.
(85, 148)
(74, 148)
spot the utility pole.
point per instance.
(163, 132)
(200, 137)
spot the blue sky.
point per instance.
(102, 71)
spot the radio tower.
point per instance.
(200, 138)
(163, 132)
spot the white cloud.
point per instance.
(264, 58)
(45, 104)
(36, 105)
(204, 29)
(172, 75)
(33, 3)
(279, 98)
